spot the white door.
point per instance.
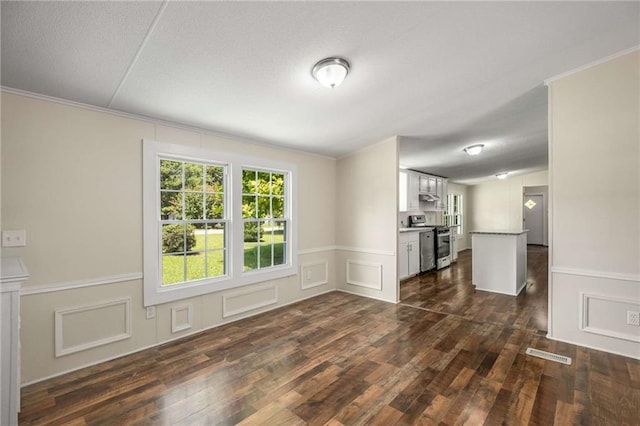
(533, 218)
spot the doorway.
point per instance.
(533, 219)
(534, 214)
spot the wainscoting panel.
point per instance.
(364, 274)
(85, 327)
(314, 274)
(238, 302)
(181, 318)
(608, 316)
(592, 310)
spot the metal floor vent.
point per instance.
(548, 355)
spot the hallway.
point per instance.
(449, 291)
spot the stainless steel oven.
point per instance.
(443, 247)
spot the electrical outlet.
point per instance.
(633, 317)
(151, 312)
(16, 238)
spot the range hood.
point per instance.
(429, 197)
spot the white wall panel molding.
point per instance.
(595, 274)
(65, 319)
(111, 279)
(364, 274)
(346, 248)
(314, 274)
(165, 341)
(368, 251)
(254, 298)
(316, 250)
(181, 318)
(596, 312)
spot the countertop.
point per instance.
(501, 231)
(417, 229)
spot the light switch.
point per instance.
(17, 238)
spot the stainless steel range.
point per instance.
(443, 246)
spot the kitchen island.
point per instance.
(499, 260)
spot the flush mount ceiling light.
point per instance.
(331, 72)
(474, 149)
(502, 175)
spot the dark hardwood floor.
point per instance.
(449, 291)
(340, 359)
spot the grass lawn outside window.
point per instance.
(173, 266)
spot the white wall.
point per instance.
(595, 208)
(366, 231)
(497, 204)
(72, 177)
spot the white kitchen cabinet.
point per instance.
(428, 184)
(442, 193)
(409, 254)
(409, 184)
(13, 274)
(413, 186)
(403, 258)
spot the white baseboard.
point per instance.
(571, 342)
(364, 295)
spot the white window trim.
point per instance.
(154, 293)
(460, 211)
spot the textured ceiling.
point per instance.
(442, 75)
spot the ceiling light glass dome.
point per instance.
(331, 72)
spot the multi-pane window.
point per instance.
(265, 216)
(453, 216)
(192, 220)
(212, 222)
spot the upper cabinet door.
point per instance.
(413, 198)
(443, 185)
(408, 198)
(427, 185)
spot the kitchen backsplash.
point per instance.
(431, 218)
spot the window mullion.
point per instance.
(236, 234)
(272, 249)
(223, 234)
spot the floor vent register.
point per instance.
(549, 356)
